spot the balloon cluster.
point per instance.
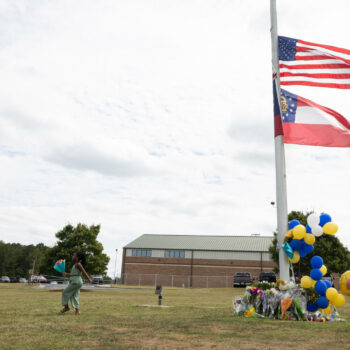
(319, 224)
(327, 294)
(301, 239)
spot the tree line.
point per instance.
(16, 260)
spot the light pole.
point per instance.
(115, 266)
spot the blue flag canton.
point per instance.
(287, 48)
(289, 104)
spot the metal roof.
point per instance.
(199, 242)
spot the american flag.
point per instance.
(310, 64)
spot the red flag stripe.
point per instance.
(328, 47)
(315, 135)
(319, 75)
(315, 66)
(303, 49)
(312, 83)
(310, 58)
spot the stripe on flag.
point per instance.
(276, 110)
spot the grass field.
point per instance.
(116, 319)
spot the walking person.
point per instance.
(72, 291)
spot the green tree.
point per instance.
(80, 238)
(332, 251)
(16, 259)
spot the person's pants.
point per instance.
(72, 293)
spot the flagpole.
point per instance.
(281, 186)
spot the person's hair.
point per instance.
(82, 258)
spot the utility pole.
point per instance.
(115, 267)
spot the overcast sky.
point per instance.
(156, 117)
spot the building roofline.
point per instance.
(255, 236)
(204, 250)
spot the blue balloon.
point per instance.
(320, 288)
(311, 307)
(292, 224)
(324, 218)
(305, 249)
(327, 283)
(303, 246)
(316, 274)
(316, 262)
(302, 253)
(309, 248)
(308, 228)
(295, 244)
(322, 302)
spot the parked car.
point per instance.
(97, 279)
(13, 279)
(37, 279)
(242, 279)
(5, 279)
(267, 276)
(53, 282)
(22, 280)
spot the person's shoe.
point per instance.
(77, 311)
(65, 309)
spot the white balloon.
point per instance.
(317, 231)
(313, 219)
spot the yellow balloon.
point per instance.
(306, 282)
(327, 310)
(331, 294)
(299, 232)
(344, 283)
(330, 228)
(289, 234)
(296, 258)
(313, 283)
(339, 300)
(309, 238)
(323, 269)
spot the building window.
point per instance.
(141, 252)
(174, 254)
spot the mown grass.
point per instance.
(116, 319)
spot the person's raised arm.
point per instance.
(81, 268)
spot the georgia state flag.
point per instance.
(307, 123)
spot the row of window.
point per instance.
(174, 254)
(167, 253)
(141, 252)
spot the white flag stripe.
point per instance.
(309, 53)
(316, 71)
(334, 53)
(317, 80)
(303, 62)
(312, 115)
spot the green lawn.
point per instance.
(116, 319)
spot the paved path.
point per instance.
(62, 286)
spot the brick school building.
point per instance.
(196, 261)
